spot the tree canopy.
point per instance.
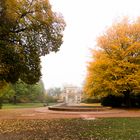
(21, 92)
(115, 65)
(29, 29)
(55, 92)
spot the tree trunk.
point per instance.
(1, 101)
(127, 99)
(15, 100)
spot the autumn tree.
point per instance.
(115, 66)
(29, 29)
(6, 91)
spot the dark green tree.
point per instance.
(29, 29)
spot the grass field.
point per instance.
(71, 129)
(23, 105)
(34, 105)
(90, 104)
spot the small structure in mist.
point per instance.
(71, 95)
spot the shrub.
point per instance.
(113, 101)
(91, 100)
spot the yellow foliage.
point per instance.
(115, 67)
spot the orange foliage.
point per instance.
(115, 67)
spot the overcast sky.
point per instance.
(86, 20)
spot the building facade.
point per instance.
(71, 95)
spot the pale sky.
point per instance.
(86, 20)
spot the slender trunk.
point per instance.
(15, 99)
(127, 99)
(1, 101)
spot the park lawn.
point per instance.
(71, 129)
(22, 105)
(90, 104)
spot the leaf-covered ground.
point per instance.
(71, 129)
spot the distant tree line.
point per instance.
(21, 92)
(53, 95)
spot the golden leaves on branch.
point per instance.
(115, 66)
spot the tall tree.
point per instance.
(115, 67)
(28, 29)
(28, 93)
(55, 92)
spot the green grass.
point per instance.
(22, 105)
(90, 104)
(71, 129)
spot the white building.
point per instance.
(71, 95)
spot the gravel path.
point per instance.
(44, 113)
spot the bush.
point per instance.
(50, 99)
(135, 101)
(91, 100)
(113, 101)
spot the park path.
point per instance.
(44, 113)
